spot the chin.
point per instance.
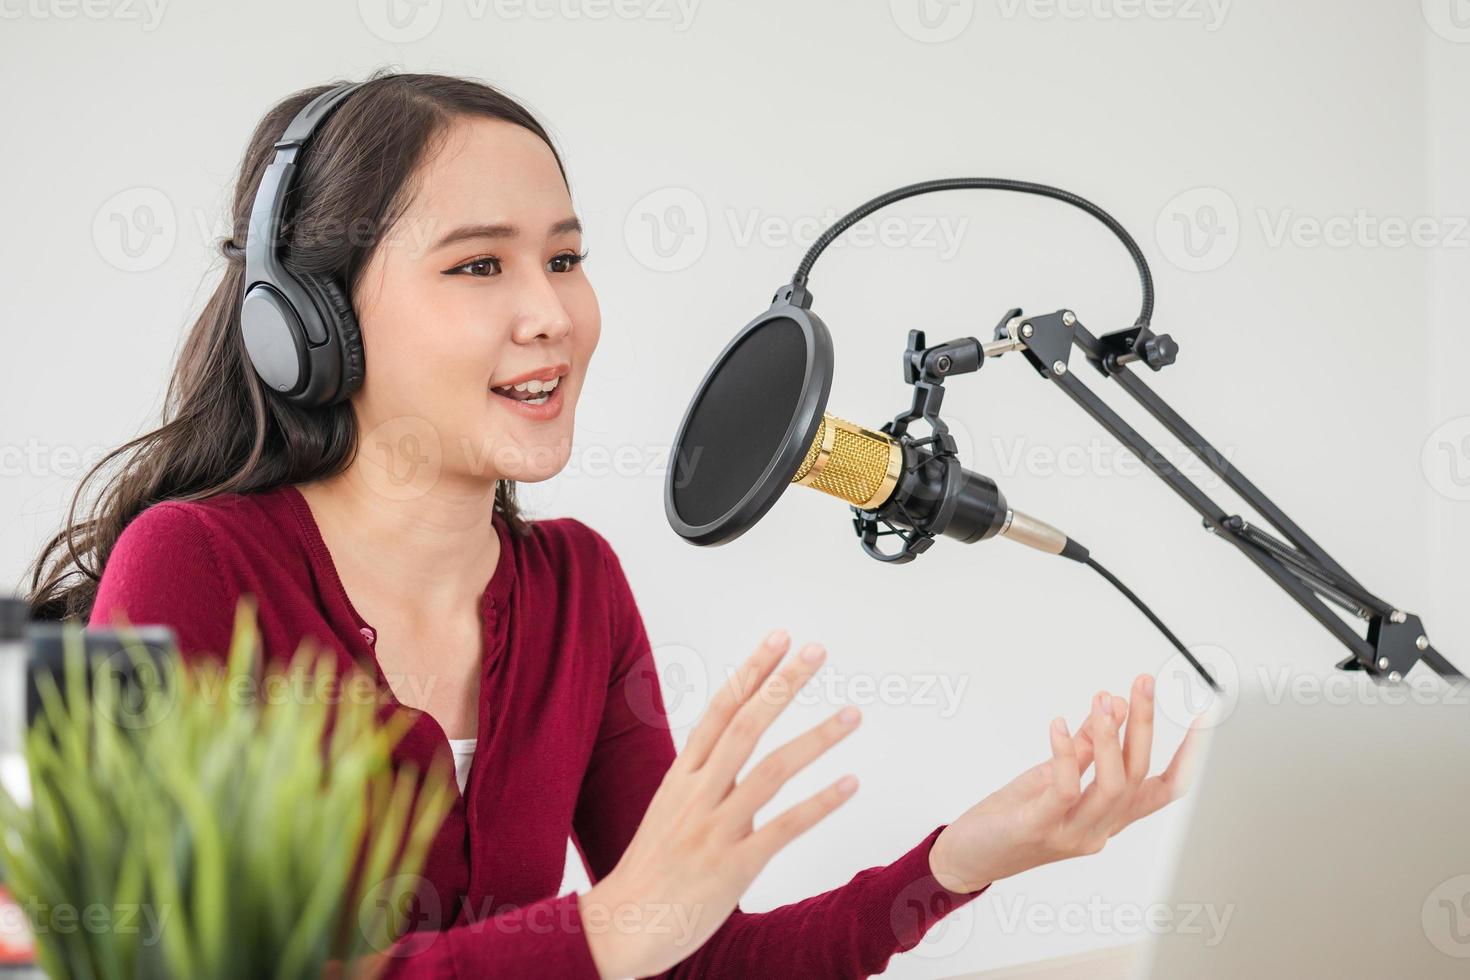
(534, 462)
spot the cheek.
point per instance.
(586, 319)
(425, 349)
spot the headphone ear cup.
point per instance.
(343, 321)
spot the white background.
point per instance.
(1293, 144)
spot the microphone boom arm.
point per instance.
(1395, 640)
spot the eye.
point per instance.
(482, 268)
(566, 262)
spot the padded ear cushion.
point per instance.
(344, 321)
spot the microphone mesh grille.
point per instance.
(850, 462)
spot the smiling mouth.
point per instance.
(530, 392)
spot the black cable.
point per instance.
(1092, 563)
(1146, 311)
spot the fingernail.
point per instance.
(847, 785)
(1148, 685)
(849, 715)
(777, 639)
(1059, 726)
(812, 653)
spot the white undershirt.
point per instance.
(464, 754)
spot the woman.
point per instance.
(385, 527)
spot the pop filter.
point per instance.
(749, 424)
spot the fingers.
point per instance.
(737, 741)
(781, 830)
(1083, 738)
(1139, 737)
(771, 773)
(1176, 778)
(1108, 783)
(731, 696)
(1066, 771)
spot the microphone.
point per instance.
(870, 469)
(758, 424)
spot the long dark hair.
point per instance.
(222, 430)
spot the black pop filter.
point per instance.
(749, 425)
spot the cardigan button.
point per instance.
(368, 634)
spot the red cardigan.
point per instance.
(572, 741)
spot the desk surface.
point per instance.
(1111, 963)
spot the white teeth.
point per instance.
(543, 388)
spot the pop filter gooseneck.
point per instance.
(757, 423)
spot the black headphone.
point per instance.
(300, 331)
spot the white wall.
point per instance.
(1321, 368)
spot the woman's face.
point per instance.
(478, 287)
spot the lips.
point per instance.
(547, 372)
(540, 406)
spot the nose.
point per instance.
(542, 316)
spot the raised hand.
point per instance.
(697, 849)
(1045, 815)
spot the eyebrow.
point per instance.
(562, 227)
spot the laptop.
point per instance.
(1328, 836)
